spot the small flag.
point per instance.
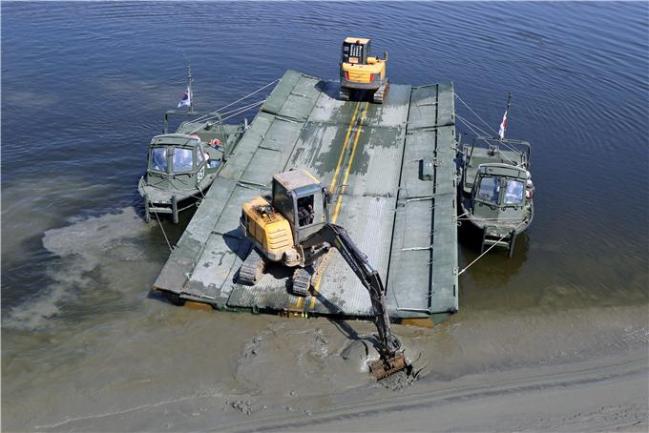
(503, 126)
(187, 99)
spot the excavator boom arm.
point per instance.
(338, 238)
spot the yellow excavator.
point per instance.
(361, 72)
(292, 228)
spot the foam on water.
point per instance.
(97, 254)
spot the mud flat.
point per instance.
(163, 368)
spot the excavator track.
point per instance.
(251, 269)
(379, 96)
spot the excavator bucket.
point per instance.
(388, 366)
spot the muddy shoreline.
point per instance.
(166, 368)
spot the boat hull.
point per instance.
(492, 232)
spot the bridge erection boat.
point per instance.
(496, 192)
(181, 166)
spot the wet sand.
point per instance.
(134, 362)
(179, 370)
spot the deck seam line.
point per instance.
(236, 184)
(396, 200)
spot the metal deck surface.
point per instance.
(404, 222)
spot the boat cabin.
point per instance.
(179, 154)
(485, 150)
(179, 168)
(499, 193)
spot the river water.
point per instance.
(84, 86)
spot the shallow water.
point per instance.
(84, 86)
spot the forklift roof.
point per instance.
(352, 40)
(294, 179)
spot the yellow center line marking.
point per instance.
(339, 202)
(332, 187)
(320, 270)
(300, 300)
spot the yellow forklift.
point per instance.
(360, 72)
(292, 228)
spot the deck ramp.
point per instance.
(405, 224)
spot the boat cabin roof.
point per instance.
(175, 140)
(500, 169)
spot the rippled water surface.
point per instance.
(84, 86)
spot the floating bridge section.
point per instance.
(396, 165)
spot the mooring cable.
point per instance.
(488, 249)
(474, 113)
(163, 232)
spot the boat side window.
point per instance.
(514, 193)
(158, 159)
(182, 161)
(489, 190)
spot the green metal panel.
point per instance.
(301, 100)
(445, 104)
(385, 206)
(423, 260)
(444, 285)
(247, 147)
(280, 93)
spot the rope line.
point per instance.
(480, 131)
(475, 128)
(249, 95)
(487, 250)
(472, 126)
(163, 231)
(229, 115)
(209, 116)
(474, 113)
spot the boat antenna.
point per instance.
(189, 88)
(503, 124)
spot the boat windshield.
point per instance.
(182, 160)
(158, 160)
(489, 190)
(515, 192)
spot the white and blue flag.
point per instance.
(503, 125)
(187, 99)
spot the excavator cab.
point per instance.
(301, 199)
(279, 225)
(361, 73)
(355, 50)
